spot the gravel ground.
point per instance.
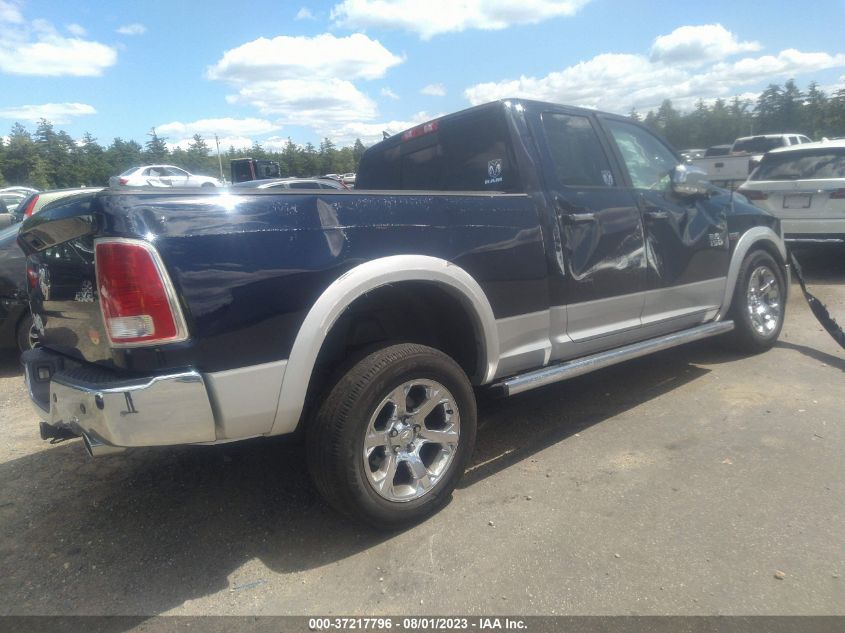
(683, 483)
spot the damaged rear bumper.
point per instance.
(112, 412)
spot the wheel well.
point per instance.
(771, 249)
(411, 312)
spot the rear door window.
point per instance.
(802, 165)
(576, 153)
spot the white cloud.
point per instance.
(37, 48)
(433, 90)
(787, 62)
(370, 133)
(227, 127)
(304, 13)
(355, 56)
(307, 102)
(695, 45)
(387, 92)
(434, 17)
(10, 13)
(305, 80)
(619, 81)
(132, 29)
(53, 112)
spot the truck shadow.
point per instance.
(146, 531)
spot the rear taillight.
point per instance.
(754, 194)
(138, 303)
(31, 206)
(123, 181)
(32, 276)
(838, 194)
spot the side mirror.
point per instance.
(689, 180)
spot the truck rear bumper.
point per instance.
(109, 411)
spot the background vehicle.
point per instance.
(37, 201)
(689, 154)
(244, 169)
(16, 328)
(804, 186)
(10, 199)
(718, 150)
(291, 183)
(745, 154)
(161, 176)
(13, 196)
(532, 243)
(348, 180)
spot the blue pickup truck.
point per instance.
(504, 247)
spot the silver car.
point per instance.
(161, 176)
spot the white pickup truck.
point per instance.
(732, 170)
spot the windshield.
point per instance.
(804, 165)
(757, 144)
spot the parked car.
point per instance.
(161, 176)
(348, 180)
(744, 155)
(804, 186)
(10, 199)
(16, 324)
(37, 201)
(13, 196)
(16, 327)
(291, 183)
(534, 243)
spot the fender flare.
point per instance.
(357, 282)
(751, 238)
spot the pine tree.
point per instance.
(156, 148)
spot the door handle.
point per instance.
(576, 218)
(656, 214)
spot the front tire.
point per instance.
(758, 306)
(393, 436)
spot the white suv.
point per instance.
(803, 185)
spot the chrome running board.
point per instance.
(570, 369)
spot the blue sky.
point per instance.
(261, 70)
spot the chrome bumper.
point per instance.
(148, 411)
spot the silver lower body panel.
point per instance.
(564, 371)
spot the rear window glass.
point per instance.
(804, 165)
(757, 144)
(129, 171)
(466, 153)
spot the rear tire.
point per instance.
(758, 307)
(393, 436)
(27, 335)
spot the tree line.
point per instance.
(51, 159)
(779, 108)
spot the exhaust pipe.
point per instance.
(95, 448)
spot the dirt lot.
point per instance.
(676, 484)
